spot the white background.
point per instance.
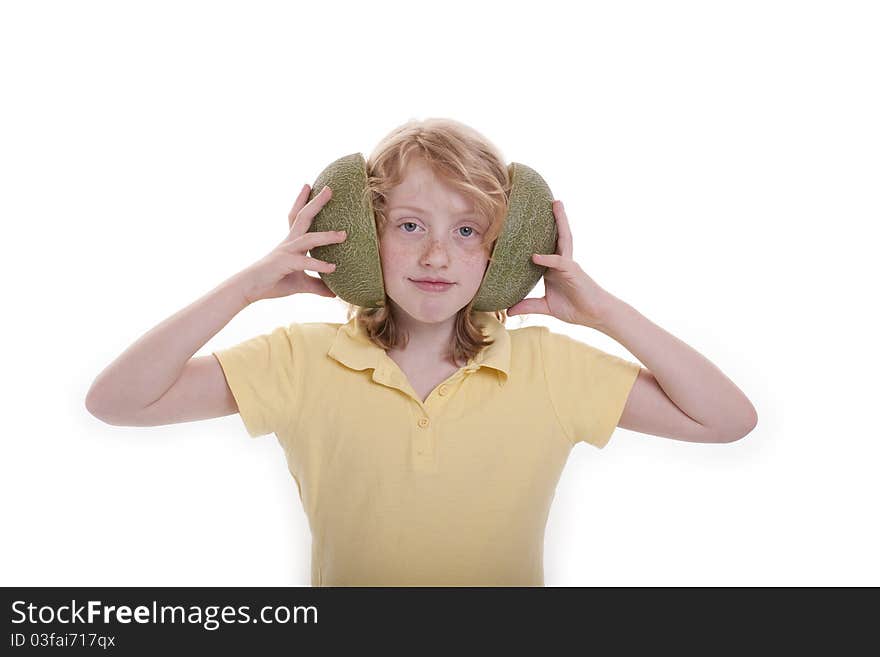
(719, 166)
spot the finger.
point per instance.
(303, 219)
(564, 244)
(309, 241)
(313, 264)
(554, 261)
(298, 205)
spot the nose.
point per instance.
(436, 253)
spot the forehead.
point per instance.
(423, 191)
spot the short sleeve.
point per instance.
(261, 373)
(587, 386)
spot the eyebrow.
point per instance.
(413, 208)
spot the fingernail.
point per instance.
(325, 188)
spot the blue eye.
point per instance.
(412, 223)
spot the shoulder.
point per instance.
(315, 330)
(526, 335)
(310, 337)
(538, 339)
(295, 337)
(297, 331)
(562, 352)
(553, 342)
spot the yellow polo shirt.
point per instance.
(454, 491)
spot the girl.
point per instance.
(425, 438)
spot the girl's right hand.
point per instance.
(282, 272)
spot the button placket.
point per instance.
(423, 451)
(423, 445)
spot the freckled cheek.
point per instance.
(476, 261)
(396, 258)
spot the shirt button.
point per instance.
(443, 390)
(423, 422)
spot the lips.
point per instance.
(432, 287)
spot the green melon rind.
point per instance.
(530, 228)
(358, 275)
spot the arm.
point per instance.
(683, 395)
(149, 367)
(688, 380)
(155, 382)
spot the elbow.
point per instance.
(753, 422)
(95, 411)
(746, 428)
(112, 415)
(93, 406)
(92, 401)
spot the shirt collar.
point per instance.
(353, 348)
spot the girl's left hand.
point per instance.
(569, 294)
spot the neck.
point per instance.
(428, 341)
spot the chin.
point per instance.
(426, 317)
(433, 318)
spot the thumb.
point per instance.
(314, 285)
(525, 307)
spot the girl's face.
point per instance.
(431, 233)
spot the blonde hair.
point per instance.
(473, 166)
